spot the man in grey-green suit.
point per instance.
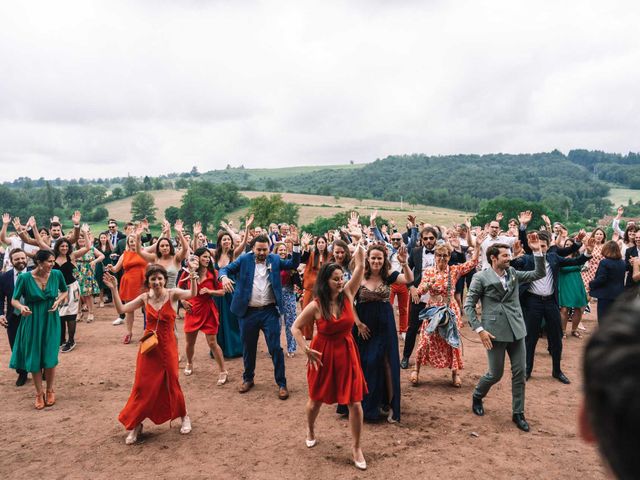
(502, 328)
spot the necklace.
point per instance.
(40, 280)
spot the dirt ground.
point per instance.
(257, 436)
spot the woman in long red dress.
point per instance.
(132, 281)
(440, 282)
(202, 314)
(334, 373)
(156, 392)
(313, 262)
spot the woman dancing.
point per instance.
(156, 392)
(334, 373)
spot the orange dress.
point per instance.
(132, 281)
(156, 392)
(340, 378)
(432, 348)
(308, 282)
(204, 313)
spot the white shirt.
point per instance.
(16, 242)
(261, 293)
(544, 285)
(484, 246)
(428, 261)
(395, 264)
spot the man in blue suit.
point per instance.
(256, 300)
(11, 319)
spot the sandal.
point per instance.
(50, 398)
(222, 378)
(127, 339)
(414, 377)
(456, 380)
(576, 334)
(40, 403)
(188, 369)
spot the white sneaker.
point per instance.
(186, 425)
(118, 321)
(403, 336)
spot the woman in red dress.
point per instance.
(156, 392)
(334, 373)
(132, 281)
(440, 282)
(202, 314)
(313, 262)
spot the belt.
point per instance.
(263, 307)
(542, 297)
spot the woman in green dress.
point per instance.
(572, 295)
(37, 296)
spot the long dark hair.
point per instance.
(322, 291)
(384, 272)
(56, 248)
(172, 249)
(40, 256)
(218, 253)
(316, 252)
(201, 251)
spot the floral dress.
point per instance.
(432, 348)
(590, 273)
(86, 275)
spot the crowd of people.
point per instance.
(334, 294)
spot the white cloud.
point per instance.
(114, 87)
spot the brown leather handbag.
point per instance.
(148, 341)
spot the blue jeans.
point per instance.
(267, 320)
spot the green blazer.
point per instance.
(501, 311)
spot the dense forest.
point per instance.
(610, 167)
(465, 181)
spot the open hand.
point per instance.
(486, 337)
(313, 358)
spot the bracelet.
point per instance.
(306, 349)
(404, 264)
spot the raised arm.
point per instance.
(36, 234)
(407, 274)
(148, 257)
(354, 282)
(75, 234)
(111, 283)
(239, 250)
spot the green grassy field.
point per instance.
(621, 196)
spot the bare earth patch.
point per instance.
(257, 436)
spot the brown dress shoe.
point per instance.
(283, 393)
(245, 387)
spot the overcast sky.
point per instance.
(106, 88)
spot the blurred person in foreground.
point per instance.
(609, 415)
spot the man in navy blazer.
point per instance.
(539, 301)
(256, 300)
(11, 320)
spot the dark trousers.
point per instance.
(536, 308)
(267, 320)
(414, 327)
(12, 329)
(603, 307)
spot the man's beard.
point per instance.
(20, 266)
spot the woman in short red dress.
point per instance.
(440, 281)
(132, 281)
(202, 314)
(156, 392)
(334, 373)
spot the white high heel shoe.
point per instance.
(310, 443)
(186, 425)
(133, 435)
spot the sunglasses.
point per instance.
(396, 239)
(428, 238)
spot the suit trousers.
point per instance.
(516, 351)
(401, 291)
(13, 321)
(536, 308)
(267, 320)
(414, 327)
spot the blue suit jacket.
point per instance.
(243, 269)
(609, 280)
